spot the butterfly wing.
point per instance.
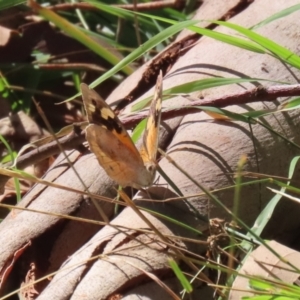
(110, 142)
(150, 139)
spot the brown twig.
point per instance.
(72, 66)
(139, 7)
(249, 96)
(36, 92)
(68, 142)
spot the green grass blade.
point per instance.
(181, 277)
(228, 39)
(259, 113)
(226, 113)
(151, 43)
(291, 104)
(6, 4)
(138, 130)
(170, 31)
(283, 53)
(79, 35)
(122, 13)
(279, 15)
(232, 40)
(12, 156)
(273, 287)
(265, 215)
(193, 86)
(236, 41)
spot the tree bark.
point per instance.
(207, 149)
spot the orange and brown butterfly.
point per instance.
(113, 147)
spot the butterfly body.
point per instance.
(113, 147)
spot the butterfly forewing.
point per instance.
(99, 113)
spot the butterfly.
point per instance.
(113, 147)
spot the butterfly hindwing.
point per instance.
(151, 134)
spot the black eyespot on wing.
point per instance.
(98, 112)
(112, 124)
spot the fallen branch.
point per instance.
(74, 139)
